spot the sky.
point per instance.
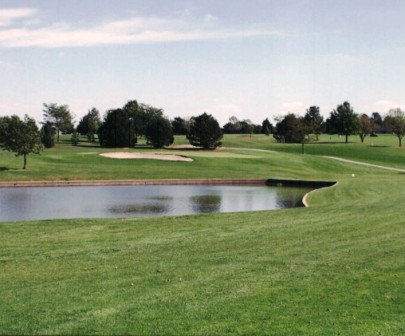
(253, 59)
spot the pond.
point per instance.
(20, 204)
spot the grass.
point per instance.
(335, 268)
(66, 162)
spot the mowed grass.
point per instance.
(335, 268)
(238, 159)
(381, 150)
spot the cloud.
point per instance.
(351, 59)
(389, 104)
(293, 105)
(130, 31)
(210, 19)
(10, 16)
(224, 110)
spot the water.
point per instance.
(20, 204)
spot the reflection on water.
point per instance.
(17, 204)
(288, 198)
(205, 203)
(139, 209)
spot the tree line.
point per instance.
(123, 127)
(342, 120)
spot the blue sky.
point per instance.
(249, 58)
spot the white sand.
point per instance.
(126, 155)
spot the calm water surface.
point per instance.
(18, 204)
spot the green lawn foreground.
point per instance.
(335, 268)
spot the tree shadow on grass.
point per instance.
(326, 142)
(7, 168)
(88, 146)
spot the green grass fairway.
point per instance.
(335, 268)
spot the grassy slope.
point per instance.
(334, 268)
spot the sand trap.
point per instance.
(153, 156)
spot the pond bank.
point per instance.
(77, 183)
(133, 182)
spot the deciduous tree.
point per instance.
(293, 129)
(21, 137)
(343, 121)
(314, 121)
(365, 126)
(89, 124)
(233, 126)
(395, 122)
(289, 129)
(59, 116)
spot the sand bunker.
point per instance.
(153, 156)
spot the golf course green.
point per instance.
(336, 267)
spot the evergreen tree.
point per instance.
(48, 135)
(117, 130)
(267, 127)
(205, 132)
(159, 132)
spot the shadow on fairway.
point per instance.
(88, 146)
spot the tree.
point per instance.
(59, 116)
(3, 126)
(257, 128)
(117, 129)
(267, 127)
(292, 129)
(377, 121)
(289, 129)
(234, 126)
(48, 135)
(365, 126)
(159, 132)
(205, 132)
(89, 124)
(21, 137)
(314, 121)
(247, 127)
(136, 115)
(343, 120)
(122, 127)
(395, 122)
(75, 139)
(179, 126)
